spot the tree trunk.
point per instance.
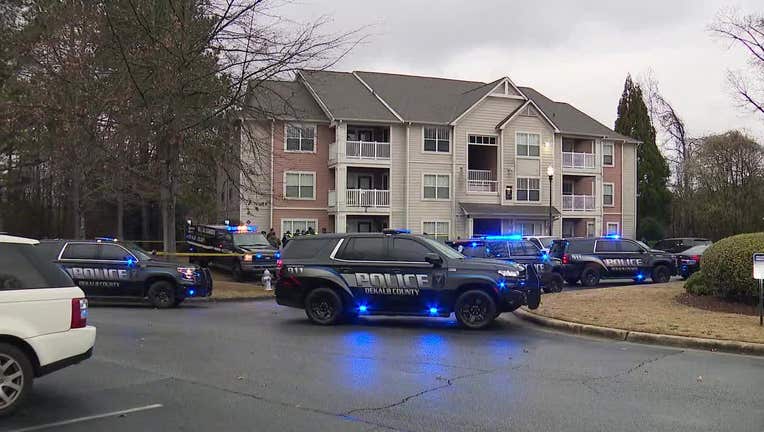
(120, 215)
(76, 213)
(167, 191)
(145, 215)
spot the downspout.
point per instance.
(452, 224)
(270, 218)
(408, 174)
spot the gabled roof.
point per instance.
(420, 99)
(345, 97)
(570, 120)
(284, 99)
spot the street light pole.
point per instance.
(550, 173)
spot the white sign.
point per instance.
(758, 266)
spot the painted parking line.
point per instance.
(88, 418)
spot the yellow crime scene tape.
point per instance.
(199, 254)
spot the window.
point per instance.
(114, 253)
(528, 144)
(567, 187)
(80, 251)
(22, 267)
(437, 139)
(608, 246)
(437, 230)
(300, 138)
(300, 185)
(365, 249)
(528, 189)
(607, 154)
(530, 228)
(308, 247)
(581, 246)
(408, 250)
(498, 249)
(293, 225)
(523, 247)
(607, 194)
(436, 186)
(611, 228)
(477, 251)
(630, 247)
(482, 139)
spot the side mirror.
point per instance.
(433, 259)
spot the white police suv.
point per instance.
(43, 320)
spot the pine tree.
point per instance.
(653, 171)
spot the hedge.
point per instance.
(727, 267)
(696, 284)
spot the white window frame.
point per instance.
(450, 140)
(450, 188)
(612, 202)
(517, 146)
(518, 227)
(301, 173)
(300, 125)
(517, 189)
(481, 135)
(292, 221)
(437, 234)
(617, 228)
(612, 154)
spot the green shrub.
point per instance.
(696, 284)
(728, 266)
(650, 229)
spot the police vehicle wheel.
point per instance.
(162, 295)
(590, 277)
(16, 377)
(323, 306)
(554, 285)
(661, 274)
(475, 309)
(237, 273)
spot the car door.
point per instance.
(609, 252)
(635, 259)
(425, 282)
(80, 260)
(120, 271)
(363, 263)
(527, 253)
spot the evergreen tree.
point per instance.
(653, 171)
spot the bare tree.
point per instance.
(746, 32)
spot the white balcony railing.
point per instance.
(578, 202)
(578, 160)
(368, 198)
(332, 198)
(367, 150)
(481, 181)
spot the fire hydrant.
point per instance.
(267, 280)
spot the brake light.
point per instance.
(565, 259)
(79, 313)
(696, 258)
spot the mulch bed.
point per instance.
(714, 304)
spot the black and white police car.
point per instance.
(239, 249)
(337, 276)
(107, 269)
(590, 259)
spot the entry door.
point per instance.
(590, 229)
(364, 227)
(364, 182)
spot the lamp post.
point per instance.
(550, 173)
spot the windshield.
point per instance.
(443, 248)
(646, 247)
(139, 252)
(250, 239)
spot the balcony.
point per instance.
(579, 160)
(367, 150)
(481, 181)
(368, 198)
(578, 203)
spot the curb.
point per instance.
(729, 346)
(240, 299)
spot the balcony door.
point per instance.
(360, 134)
(364, 182)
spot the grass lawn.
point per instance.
(224, 287)
(651, 308)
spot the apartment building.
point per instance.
(361, 151)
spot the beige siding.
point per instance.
(431, 163)
(397, 179)
(629, 165)
(255, 206)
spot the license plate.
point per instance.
(689, 262)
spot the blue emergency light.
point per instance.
(362, 308)
(508, 237)
(433, 311)
(242, 228)
(613, 236)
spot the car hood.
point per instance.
(158, 263)
(257, 249)
(489, 264)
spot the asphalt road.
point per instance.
(257, 366)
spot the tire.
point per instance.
(323, 306)
(178, 302)
(661, 274)
(237, 273)
(554, 285)
(571, 281)
(590, 277)
(13, 391)
(475, 309)
(161, 294)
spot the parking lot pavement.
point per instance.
(257, 366)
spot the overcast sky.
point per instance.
(573, 51)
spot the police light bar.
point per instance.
(509, 237)
(396, 231)
(106, 239)
(242, 228)
(613, 236)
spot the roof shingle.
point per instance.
(346, 97)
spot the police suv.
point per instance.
(239, 249)
(106, 269)
(514, 248)
(339, 276)
(592, 259)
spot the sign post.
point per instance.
(758, 273)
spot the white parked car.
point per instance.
(542, 242)
(43, 320)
